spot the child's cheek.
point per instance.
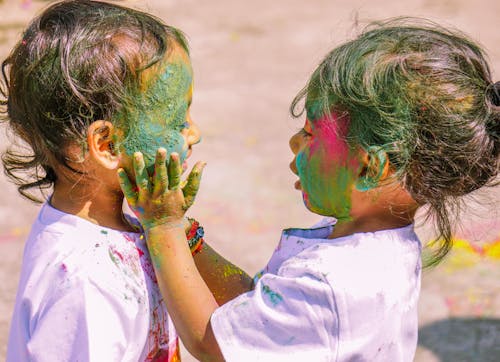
(326, 181)
(176, 143)
(313, 182)
(147, 140)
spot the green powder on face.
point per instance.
(157, 116)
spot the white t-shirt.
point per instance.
(88, 293)
(346, 299)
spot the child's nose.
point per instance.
(294, 143)
(194, 134)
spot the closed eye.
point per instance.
(304, 133)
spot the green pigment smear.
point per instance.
(230, 270)
(274, 297)
(314, 109)
(328, 191)
(158, 115)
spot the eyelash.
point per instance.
(304, 133)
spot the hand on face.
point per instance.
(160, 198)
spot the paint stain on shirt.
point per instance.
(273, 296)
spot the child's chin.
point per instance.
(307, 204)
(314, 209)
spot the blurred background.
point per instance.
(250, 58)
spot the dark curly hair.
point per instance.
(424, 95)
(79, 61)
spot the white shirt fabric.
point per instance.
(352, 298)
(88, 293)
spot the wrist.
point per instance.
(163, 226)
(195, 236)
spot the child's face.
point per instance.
(327, 167)
(161, 117)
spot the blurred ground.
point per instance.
(250, 59)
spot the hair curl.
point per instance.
(424, 95)
(79, 61)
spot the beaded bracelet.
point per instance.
(195, 236)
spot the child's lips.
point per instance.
(293, 167)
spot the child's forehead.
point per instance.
(318, 100)
(175, 64)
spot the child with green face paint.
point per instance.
(89, 85)
(404, 116)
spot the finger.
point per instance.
(160, 178)
(141, 174)
(193, 184)
(174, 171)
(129, 190)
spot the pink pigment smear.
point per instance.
(118, 254)
(139, 251)
(333, 129)
(129, 238)
(26, 4)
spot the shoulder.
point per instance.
(67, 257)
(323, 296)
(72, 307)
(280, 317)
(362, 265)
(74, 321)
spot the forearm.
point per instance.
(189, 301)
(224, 279)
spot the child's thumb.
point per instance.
(193, 183)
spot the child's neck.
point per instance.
(95, 204)
(367, 225)
(384, 208)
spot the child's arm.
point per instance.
(224, 279)
(160, 208)
(189, 301)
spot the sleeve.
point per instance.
(81, 323)
(282, 319)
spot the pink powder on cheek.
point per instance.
(329, 137)
(328, 168)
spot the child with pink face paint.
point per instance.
(87, 86)
(405, 115)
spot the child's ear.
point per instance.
(375, 168)
(101, 146)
